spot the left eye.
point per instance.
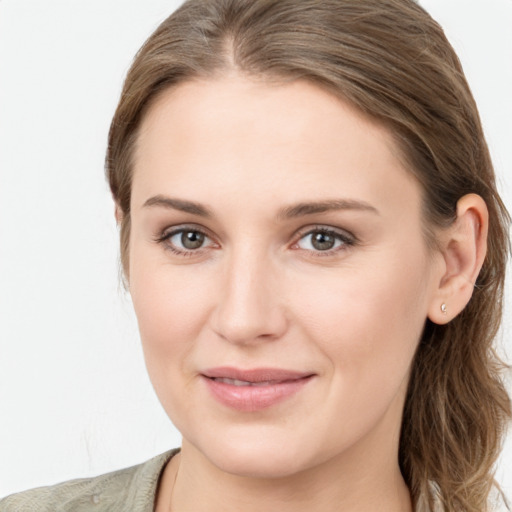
(322, 240)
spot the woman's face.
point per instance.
(279, 274)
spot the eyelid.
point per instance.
(165, 235)
(348, 239)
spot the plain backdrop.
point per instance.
(75, 399)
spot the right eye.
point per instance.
(185, 241)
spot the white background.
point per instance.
(74, 396)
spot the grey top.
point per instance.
(127, 490)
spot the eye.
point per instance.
(188, 240)
(324, 240)
(185, 240)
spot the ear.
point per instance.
(119, 214)
(463, 249)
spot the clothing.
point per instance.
(127, 490)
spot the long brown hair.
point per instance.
(392, 61)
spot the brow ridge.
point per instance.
(309, 208)
(178, 204)
(301, 209)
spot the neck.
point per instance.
(356, 481)
(365, 476)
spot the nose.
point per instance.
(249, 308)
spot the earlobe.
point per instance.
(118, 214)
(464, 246)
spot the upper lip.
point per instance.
(255, 374)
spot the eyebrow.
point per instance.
(310, 208)
(289, 212)
(179, 204)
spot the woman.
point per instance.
(315, 248)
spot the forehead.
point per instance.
(254, 111)
(262, 138)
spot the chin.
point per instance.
(257, 456)
(261, 465)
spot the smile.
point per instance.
(253, 390)
(236, 382)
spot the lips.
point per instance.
(255, 389)
(236, 382)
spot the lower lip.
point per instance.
(254, 398)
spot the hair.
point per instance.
(392, 61)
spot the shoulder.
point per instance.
(127, 489)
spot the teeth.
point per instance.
(236, 382)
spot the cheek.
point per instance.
(368, 321)
(166, 311)
(172, 305)
(367, 325)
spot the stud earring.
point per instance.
(443, 308)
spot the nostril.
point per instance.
(247, 309)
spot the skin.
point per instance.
(259, 293)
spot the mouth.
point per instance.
(255, 389)
(236, 382)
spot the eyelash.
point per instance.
(347, 240)
(167, 235)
